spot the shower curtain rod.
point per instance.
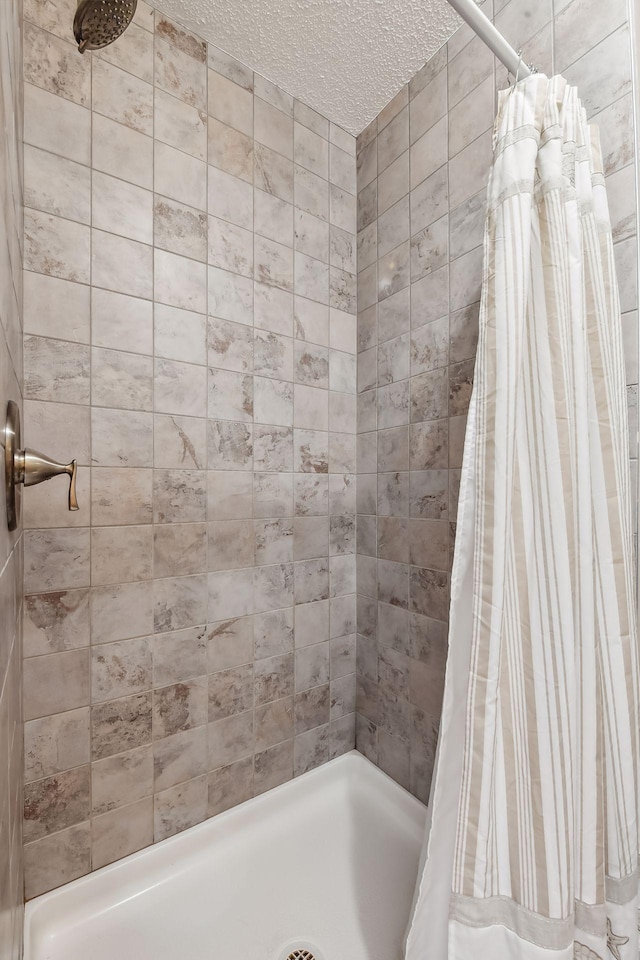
(480, 23)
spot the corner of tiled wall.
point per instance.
(422, 168)
(190, 337)
(11, 544)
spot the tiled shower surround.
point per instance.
(190, 337)
(423, 165)
(11, 238)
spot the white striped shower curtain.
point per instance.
(533, 848)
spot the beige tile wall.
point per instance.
(11, 544)
(422, 170)
(190, 337)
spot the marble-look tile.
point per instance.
(342, 169)
(122, 152)
(230, 296)
(311, 150)
(392, 108)
(311, 708)
(122, 779)
(311, 193)
(54, 622)
(430, 296)
(180, 125)
(53, 65)
(179, 602)
(180, 706)
(120, 668)
(230, 785)
(56, 683)
(178, 73)
(230, 739)
(179, 334)
(180, 807)
(429, 152)
(122, 97)
(55, 185)
(273, 218)
(120, 832)
(272, 587)
(121, 554)
(393, 140)
(180, 757)
(603, 74)
(230, 692)
(230, 594)
(273, 173)
(179, 176)
(310, 118)
(121, 438)
(121, 379)
(393, 183)
(179, 496)
(229, 643)
(229, 445)
(179, 229)
(120, 322)
(134, 53)
(57, 859)
(121, 496)
(56, 370)
(230, 102)
(58, 125)
(229, 495)
(230, 150)
(273, 448)
(56, 247)
(182, 282)
(230, 68)
(56, 743)
(272, 127)
(273, 541)
(231, 544)
(179, 548)
(273, 401)
(273, 767)
(428, 105)
(120, 264)
(56, 560)
(120, 725)
(180, 388)
(342, 209)
(311, 236)
(181, 39)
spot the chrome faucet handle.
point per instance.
(29, 467)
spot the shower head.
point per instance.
(98, 23)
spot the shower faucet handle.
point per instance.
(28, 467)
(32, 467)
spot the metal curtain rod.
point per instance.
(479, 22)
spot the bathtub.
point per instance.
(326, 863)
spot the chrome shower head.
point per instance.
(98, 23)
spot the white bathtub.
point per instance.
(327, 861)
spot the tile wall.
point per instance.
(190, 337)
(422, 170)
(11, 544)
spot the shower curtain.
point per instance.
(532, 852)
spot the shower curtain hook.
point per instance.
(515, 82)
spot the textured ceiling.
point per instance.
(344, 58)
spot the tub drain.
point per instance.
(300, 950)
